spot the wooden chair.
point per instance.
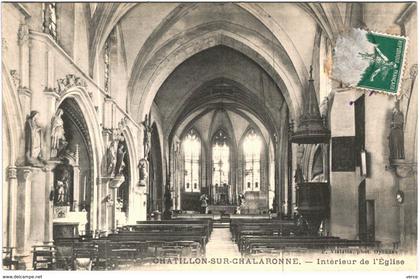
(43, 257)
(8, 259)
(85, 256)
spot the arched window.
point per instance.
(192, 149)
(221, 160)
(252, 162)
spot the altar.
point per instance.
(221, 209)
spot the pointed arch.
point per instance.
(81, 98)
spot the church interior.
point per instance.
(140, 130)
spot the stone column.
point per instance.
(49, 214)
(114, 185)
(103, 215)
(24, 45)
(11, 214)
(24, 211)
(277, 188)
(23, 88)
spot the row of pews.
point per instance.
(262, 237)
(137, 244)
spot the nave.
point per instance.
(201, 242)
(133, 131)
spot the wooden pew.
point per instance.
(199, 236)
(135, 243)
(207, 222)
(281, 227)
(252, 245)
(174, 227)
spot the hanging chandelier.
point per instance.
(311, 128)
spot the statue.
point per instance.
(396, 136)
(33, 141)
(298, 175)
(147, 136)
(111, 157)
(58, 140)
(119, 165)
(62, 189)
(143, 166)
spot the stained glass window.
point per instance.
(252, 161)
(192, 149)
(49, 19)
(221, 160)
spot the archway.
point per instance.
(73, 173)
(85, 110)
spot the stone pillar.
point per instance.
(277, 189)
(103, 202)
(24, 45)
(114, 185)
(11, 214)
(289, 181)
(344, 206)
(23, 41)
(24, 211)
(49, 211)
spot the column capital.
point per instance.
(24, 172)
(12, 172)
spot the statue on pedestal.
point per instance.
(58, 140)
(147, 136)
(396, 136)
(61, 197)
(111, 157)
(121, 151)
(143, 171)
(299, 179)
(33, 141)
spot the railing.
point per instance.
(74, 68)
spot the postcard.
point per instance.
(197, 136)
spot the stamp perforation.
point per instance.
(403, 66)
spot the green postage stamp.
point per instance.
(370, 60)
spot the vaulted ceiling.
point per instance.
(158, 37)
(178, 55)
